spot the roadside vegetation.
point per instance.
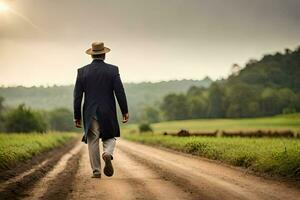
(25, 132)
(273, 156)
(24, 119)
(269, 155)
(17, 147)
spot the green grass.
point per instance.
(15, 148)
(280, 122)
(274, 156)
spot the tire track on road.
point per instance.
(48, 182)
(62, 185)
(159, 187)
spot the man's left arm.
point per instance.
(77, 99)
(121, 96)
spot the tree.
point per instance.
(197, 106)
(197, 102)
(195, 91)
(1, 105)
(287, 100)
(61, 119)
(215, 101)
(235, 69)
(242, 101)
(175, 107)
(150, 115)
(22, 119)
(1, 114)
(269, 102)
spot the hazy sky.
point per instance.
(44, 41)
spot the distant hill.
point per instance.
(264, 87)
(138, 94)
(279, 70)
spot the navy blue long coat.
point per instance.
(98, 82)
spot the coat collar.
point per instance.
(97, 61)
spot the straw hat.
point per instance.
(97, 48)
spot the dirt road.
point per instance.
(143, 172)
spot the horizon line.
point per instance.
(133, 82)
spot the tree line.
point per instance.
(138, 94)
(262, 88)
(22, 119)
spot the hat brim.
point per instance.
(91, 52)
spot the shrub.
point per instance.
(22, 119)
(288, 110)
(61, 120)
(145, 128)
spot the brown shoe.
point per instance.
(96, 176)
(108, 169)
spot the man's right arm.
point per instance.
(77, 99)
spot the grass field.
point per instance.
(280, 122)
(274, 156)
(19, 147)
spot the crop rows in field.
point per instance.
(18, 147)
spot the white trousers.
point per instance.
(93, 146)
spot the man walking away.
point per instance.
(99, 82)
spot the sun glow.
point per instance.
(6, 8)
(3, 7)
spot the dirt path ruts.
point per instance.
(16, 182)
(148, 173)
(29, 165)
(58, 182)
